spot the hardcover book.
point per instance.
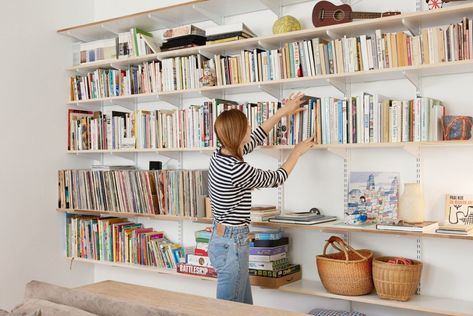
(401, 226)
(458, 209)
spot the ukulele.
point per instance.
(437, 4)
(326, 13)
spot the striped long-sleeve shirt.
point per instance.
(231, 182)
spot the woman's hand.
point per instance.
(304, 146)
(293, 104)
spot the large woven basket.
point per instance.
(396, 281)
(347, 272)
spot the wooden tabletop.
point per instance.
(180, 302)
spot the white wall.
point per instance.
(33, 90)
(318, 181)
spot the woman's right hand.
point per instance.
(304, 146)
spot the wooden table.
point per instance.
(180, 302)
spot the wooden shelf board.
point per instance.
(458, 143)
(124, 214)
(169, 16)
(338, 227)
(421, 303)
(138, 267)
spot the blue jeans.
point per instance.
(229, 255)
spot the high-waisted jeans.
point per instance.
(229, 255)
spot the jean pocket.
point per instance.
(218, 253)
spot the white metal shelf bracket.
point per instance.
(412, 148)
(161, 21)
(171, 99)
(109, 29)
(411, 27)
(212, 94)
(77, 37)
(218, 19)
(342, 152)
(414, 79)
(332, 35)
(339, 85)
(170, 154)
(273, 5)
(274, 91)
(205, 53)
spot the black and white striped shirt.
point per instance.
(231, 182)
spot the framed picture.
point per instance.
(372, 197)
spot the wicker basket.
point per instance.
(347, 272)
(396, 281)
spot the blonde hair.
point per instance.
(231, 127)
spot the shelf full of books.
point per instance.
(362, 119)
(315, 58)
(128, 190)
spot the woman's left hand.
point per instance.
(293, 104)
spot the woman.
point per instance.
(230, 183)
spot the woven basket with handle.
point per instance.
(347, 272)
(396, 281)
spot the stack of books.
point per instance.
(408, 227)
(198, 262)
(455, 229)
(228, 33)
(183, 37)
(260, 213)
(269, 264)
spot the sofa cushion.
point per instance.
(39, 307)
(93, 303)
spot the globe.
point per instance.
(285, 24)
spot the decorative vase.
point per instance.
(411, 204)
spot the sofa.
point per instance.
(43, 299)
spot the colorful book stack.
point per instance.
(119, 240)
(198, 262)
(260, 213)
(269, 263)
(183, 37)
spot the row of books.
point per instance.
(106, 83)
(165, 192)
(133, 43)
(367, 118)
(119, 240)
(305, 58)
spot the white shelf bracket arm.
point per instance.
(212, 94)
(411, 27)
(161, 21)
(218, 19)
(332, 35)
(342, 152)
(414, 79)
(273, 91)
(273, 5)
(412, 148)
(171, 99)
(205, 53)
(339, 85)
(109, 29)
(77, 37)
